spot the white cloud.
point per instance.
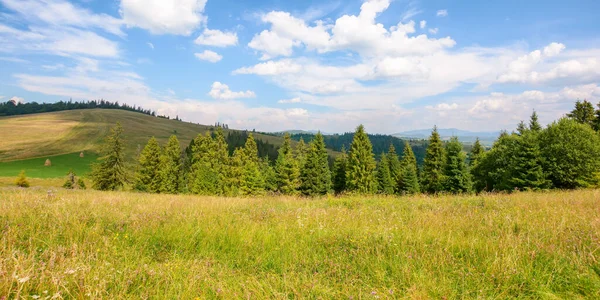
(63, 13)
(443, 107)
(150, 45)
(433, 30)
(442, 13)
(17, 100)
(217, 38)
(423, 24)
(222, 91)
(271, 68)
(208, 55)
(180, 17)
(288, 101)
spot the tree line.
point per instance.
(564, 155)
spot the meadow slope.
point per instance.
(88, 244)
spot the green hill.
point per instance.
(28, 140)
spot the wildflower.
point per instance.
(35, 296)
(24, 279)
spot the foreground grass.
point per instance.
(80, 244)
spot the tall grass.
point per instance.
(80, 244)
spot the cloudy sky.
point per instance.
(393, 65)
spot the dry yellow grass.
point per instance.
(87, 244)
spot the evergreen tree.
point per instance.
(219, 161)
(433, 166)
(22, 180)
(521, 128)
(456, 175)
(384, 177)
(339, 172)
(492, 172)
(476, 153)
(596, 123)
(269, 174)
(286, 168)
(534, 124)
(301, 152)
(360, 174)
(315, 175)
(395, 168)
(109, 173)
(583, 113)
(203, 179)
(526, 168)
(70, 183)
(147, 177)
(409, 181)
(170, 167)
(252, 182)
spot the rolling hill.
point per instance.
(28, 139)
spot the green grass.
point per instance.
(88, 244)
(61, 165)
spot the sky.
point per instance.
(271, 65)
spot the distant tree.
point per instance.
(147, 176)
(339, 172)
(534, 124)
(476, 153)
(456, 176)
(315, 176)
(409, 182)
(521, 128)
(433, 166)
(252, 182)
(81, 184)
(360, 173)
(571, 154)
(171, 167)
(22, 180)
(395, 167)
(526, 171)
(286, 168)
(385, 183)
(109, 173)
(596, 123)
(583, 113)
(71, 182)
(268, 173)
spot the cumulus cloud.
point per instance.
(180, 17)
(222, 91)
(442, 13)
(217, 38)
(209, 56)
(271, 68)
(288, 101)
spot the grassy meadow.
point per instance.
(88, 244)
(61, 164)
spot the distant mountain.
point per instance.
(296, 131)
(464, 136)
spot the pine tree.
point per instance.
(526, 169)
(521, 128)
(22, 180)
(596, 123)
(534, 124)
(456, 175)
(385, 183)
(433, 166)
(315, 175)
(301, 152)
(476, 153)
(171, 167)
(286, 168)
(269, 174)
(395, 168)
(409, 182)
(203, 179)
(252, 182)
(71, 182)
(219, 161)
(339, 172)
(147, 177)
(583, 113)
(109, 173)
(360, 174)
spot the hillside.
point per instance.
(36, 137)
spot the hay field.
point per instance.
(88, 244)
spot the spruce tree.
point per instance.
(385, 183)
(147, 177)
(521, 128)
(456, 175)
(534, 124)
(315, 175)
(476, 153)
(219, 161)
(409, 182)
(596, 122)
(301, 152)
(432, 177)
(286, 168)
(395, 168)
(109, 173)
(252, 182)
(583, 113)
(339, 172)
(203, 179)
(360, 173)
(71, 182)
(22, 180)
(269, 174)
(171, 167)
(526, 171)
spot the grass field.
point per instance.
(61, 165)
(88, 244)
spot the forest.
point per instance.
(564, 155)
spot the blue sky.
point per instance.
(276, 65)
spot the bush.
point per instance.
(81, 184)
(22, 180)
